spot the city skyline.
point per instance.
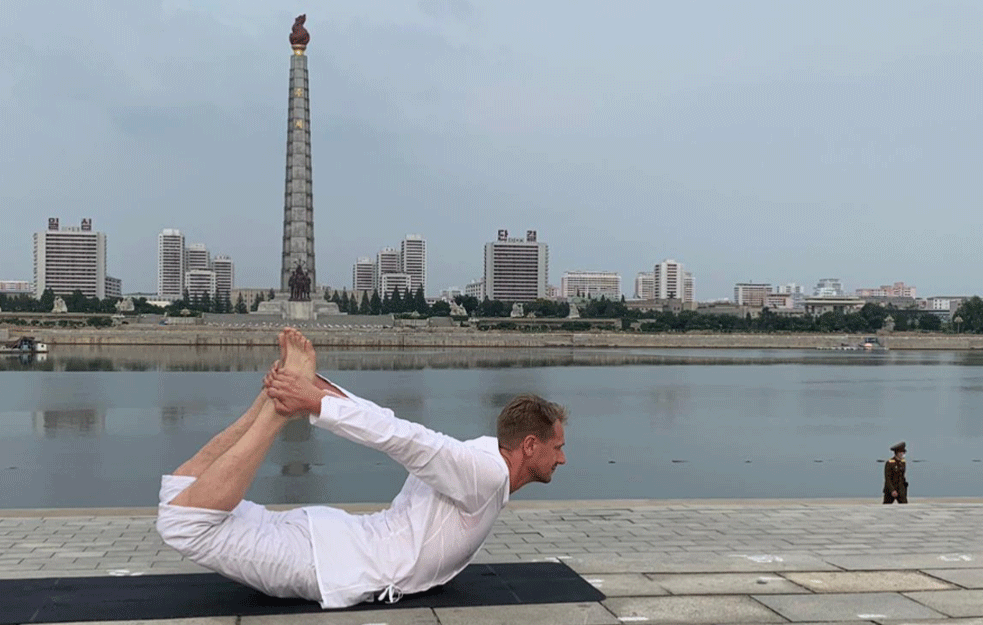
(752, 137)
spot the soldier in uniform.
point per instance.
(895, 484)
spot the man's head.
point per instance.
(899, 449)
(530, 434)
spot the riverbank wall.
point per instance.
(416, 338)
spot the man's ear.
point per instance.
(529, 445)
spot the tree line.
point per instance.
(871, 317)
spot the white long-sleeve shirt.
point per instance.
(433, 528)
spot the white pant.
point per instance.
(269, 551)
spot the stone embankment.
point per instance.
(204, 336)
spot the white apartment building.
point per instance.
(475, 288)
(224, 270)
(392, 281)
(387, 261)
(645, 285)
(196, 257)
(170, 264)
(200, 281)
(16, 287)
(751, 294)
(70, 259)
(450, 293)
(671, 281)
(516, 270)
(114, 287)
(793, 290)
(363, 275)
(590, 284)
(828, 287)
(413, 256)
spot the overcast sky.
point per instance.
(751, 141)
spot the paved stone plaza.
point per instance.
(747, 561)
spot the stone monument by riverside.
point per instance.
(297, 266)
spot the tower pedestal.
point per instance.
(297, 311)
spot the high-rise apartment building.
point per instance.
(16, 287)
(170, 264)
(670, 281)
(591, 284)
(645, 285)
(200, 281)
(751, 294)
(475, 288)
(196, 257)
(516, 270)
(413, 258)
(363, 275)
(391, 281)
(387, 260)
(224, 270)
(70, 259)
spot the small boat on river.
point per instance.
(24, 345)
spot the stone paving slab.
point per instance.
(939, 560)
(691, 609)
(742, 562)
(725, 584)
(952, 602)
(410, 616)
(546, 614)
(643, 555)
(626, 585)
(847, 607)
(867, 581)
(967, 578)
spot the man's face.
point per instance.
(548, 455)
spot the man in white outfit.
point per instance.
(431, 531)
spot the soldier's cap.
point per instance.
(898, 447)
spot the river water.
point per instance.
(97, 426)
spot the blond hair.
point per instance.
(525, 415)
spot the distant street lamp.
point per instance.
(958, 321)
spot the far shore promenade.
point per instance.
(409, 338)
(670, 561)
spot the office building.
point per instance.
(387, 261)
(516, 270)
(828, 287)
(170, 264)
(475, 288)
(413, 258)
(590, 284)
(363, 275)
(392, 281)
(751, 294)
(200, 281)
(224, 270)
(70, 259)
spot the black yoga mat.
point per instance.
(62, 599)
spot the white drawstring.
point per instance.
(391, 594)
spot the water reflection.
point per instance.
(78, 358)
(69, 422)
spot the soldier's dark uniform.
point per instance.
(894, 477)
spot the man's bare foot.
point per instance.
(299, 354)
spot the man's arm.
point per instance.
(465, 474)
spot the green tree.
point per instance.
(205, 302)
(241, 308)
(375, 304)
(256, 300)
(387, 306)
(396, 301)
(343, 304)
(469, 302)
(971, 313)
(440, 308)
(364, 307)
(420, 304)
(271, 295)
